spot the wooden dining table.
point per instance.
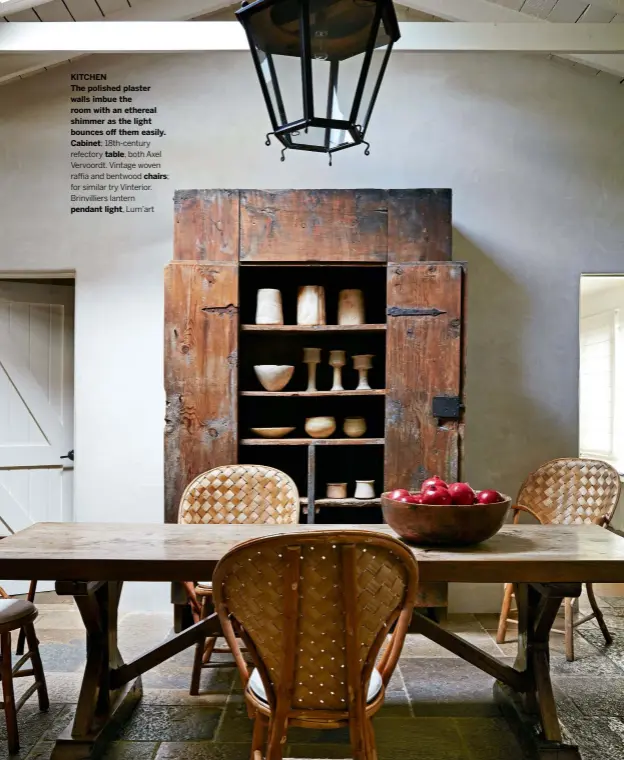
(90, 561)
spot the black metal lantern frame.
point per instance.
(327, 36)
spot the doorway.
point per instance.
(601, 373)
(36, 404)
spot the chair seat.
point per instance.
(15, 611)
(374, 686)
(204, 588)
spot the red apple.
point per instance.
(398, 493)
(435, 481)
(436, 495)
(489, 496)
(462, 494)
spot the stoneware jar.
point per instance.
(311, 305)
(336, 490)
(320, 427)
(354, 427)
(269, 307)
(351, 307)
(364, 489)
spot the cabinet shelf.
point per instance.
(313, 328)
(312, 441)
(311, 394)
(351, 502)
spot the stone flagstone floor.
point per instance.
(437, 707)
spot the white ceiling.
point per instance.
(570, 11)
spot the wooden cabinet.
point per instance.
(394, 245)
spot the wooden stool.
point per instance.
(16, 614)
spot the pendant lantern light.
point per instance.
(318, 75)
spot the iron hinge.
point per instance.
(447, 407)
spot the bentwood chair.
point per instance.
(15, 615)
(314, 610)
(567, 492)
(232, 495)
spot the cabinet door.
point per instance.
(423, 361)
(201, 373)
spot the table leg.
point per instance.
(100, 707)
(535, 712)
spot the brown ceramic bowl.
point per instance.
(433, 525)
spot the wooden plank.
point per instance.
(206, 225)
(309, 441)
(313, 225)
(423, 360)
(304, 394)
(312, 328)
(419, 225)
(201, 373)
(161, 552)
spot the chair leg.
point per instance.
(598, 613)
(258, 739)
(37, 666)
(569, 629)
(21, 638)
(10, 713)
(274, 749)
(502, 622)
(372, 744)
(210, 645)
(200, 649)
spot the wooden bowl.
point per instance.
(453, 525)
(272, 432)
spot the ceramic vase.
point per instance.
(311, 305)
(274, 377)
(354, 427)
(311, 357)
(337, 360)
(362, 363)
(364, 489)
(269, 307)
(351, 307)
(320, 427)
(336, 491)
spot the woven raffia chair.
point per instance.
(232, 495)
(314, 610)
(567, 492)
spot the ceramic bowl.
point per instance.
(354, 427)
(272, 432)
(320, 427)
(274, 377)
(452, 525)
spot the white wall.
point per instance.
(534, 153)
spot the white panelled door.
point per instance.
(36, 407)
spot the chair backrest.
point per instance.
(314, 609)
(240, 493)
(572, 492)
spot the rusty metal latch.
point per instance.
(413, 311)
(447, 407)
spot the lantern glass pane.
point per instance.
(372, 77)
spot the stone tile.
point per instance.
(319, 737)
(130, 751)
(59, 617)
(588, 661)
(63, 658)
(597, 738)
(58, 636)
(236, 725)
(594, 696)
(59, 724)
(444, 687)
(617, 602)
(613, 652)
(422, 738)
(490, 738)
(181, 697)
(396, 705)
(62, 687)
(172, 724)
(203, 751)
(31, 726)
(41, 751)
